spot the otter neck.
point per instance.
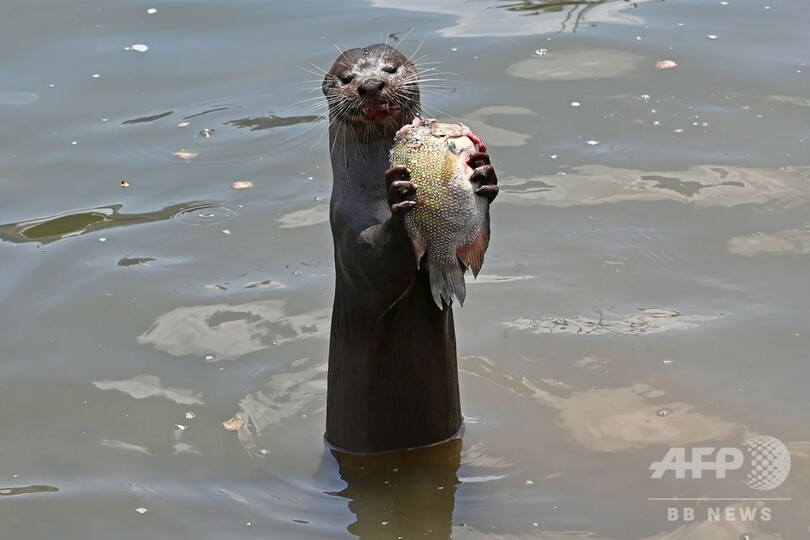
(359, 164)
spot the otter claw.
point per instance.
(395, 174)
(401, 191)
(479, 159)
(484, 175)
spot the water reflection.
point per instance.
(647, 321)
(50, 229)
(702, 185)
(25, 490)
(270, 121)
(776, 243)
(401, 494)
(526, 17)
(610, 419)
(570, 66)
(229, 331)
(144, 386)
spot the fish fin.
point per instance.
(419, 249)
(446, 281)
(472, 255)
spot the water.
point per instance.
(649, 253)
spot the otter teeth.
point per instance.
(379, 109)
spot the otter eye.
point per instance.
(390, 69)
(346, 79)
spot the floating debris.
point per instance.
(591, 143)
(137, 47)
(206, 133)
(142, 510)
(665, 64)
(190, 415)
(712, 36)
(541, 52)
(663, 413)
(235, 423)
(187, 155)
(125, 184)
(242, 184)
(181, 427)
(183, 124)
(151, 11)
(575, 103)
(667, 363)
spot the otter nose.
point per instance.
(370, 88)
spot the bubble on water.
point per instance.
(529, 482)
(663, 413)
(137, 47)
(190, 415)
(591, 143)
(209, 358)
(296, 272)
(248, 523)
(142, 510)
(96, 75)
(712, 36)
(206, 133)
(151, 11)
(575, 104)
(541, 52)
(181, 427)
(746, 536)
(667, 362)
(264, 451)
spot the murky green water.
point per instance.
(645, 288)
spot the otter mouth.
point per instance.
(379, 111)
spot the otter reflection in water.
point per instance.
(401, 494)
(393, 380)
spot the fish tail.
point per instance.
(446, 280)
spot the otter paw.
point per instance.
(401, 191)
(484, 175)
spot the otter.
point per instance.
(392, 378)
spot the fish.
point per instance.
(449, 225)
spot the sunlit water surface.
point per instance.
(646, 285)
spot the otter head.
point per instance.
(372, 92)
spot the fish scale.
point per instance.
(449, 226)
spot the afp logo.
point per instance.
(767, 466)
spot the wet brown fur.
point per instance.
(393, 378)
